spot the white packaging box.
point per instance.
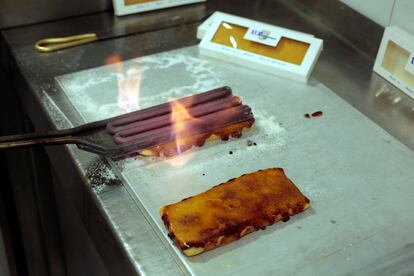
(264, 33)
(121, 8)
(395, 59)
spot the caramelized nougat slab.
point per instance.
(186, 143)
(231, 210)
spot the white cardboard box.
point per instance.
(259, 33)
(121, 8)
(395, 59)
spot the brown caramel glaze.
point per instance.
(232, 209)
(187, 143)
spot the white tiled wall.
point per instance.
(386, 12)
(379, 11)
(403, 15)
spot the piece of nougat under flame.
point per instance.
(187, 143)
(231, 210)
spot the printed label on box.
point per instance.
(262, 36)
(410, 64)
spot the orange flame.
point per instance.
(129, 83)
(179, 114)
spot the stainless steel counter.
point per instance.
(127, 243)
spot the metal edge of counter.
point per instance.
(97, 216)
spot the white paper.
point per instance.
(262, 36)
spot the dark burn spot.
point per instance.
(200, 143)
(208, 232)
(236, 134)
(333, 221)
(224, 137)
(190, 220)
(253, 186)
(228, 194)
(185, 199)
(307, 115)
(215, 204)
(230, 152)
(166, 220)
(204, 174)
(222, 220)
(265, 201)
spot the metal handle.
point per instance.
(54, 44)
(35, 139)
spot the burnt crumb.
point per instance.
(313, 115)
(286, 219)
(204, 174)
(230, 152)
(251, 143)
(224, 137)
(100, 174)
(317, 114)
(333, 221)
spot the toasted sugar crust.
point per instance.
(170, 149)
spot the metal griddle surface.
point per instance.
(359, 178)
